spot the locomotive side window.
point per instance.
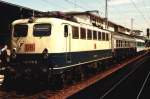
(42, 29)
(82, 33)
(75, 32)
(99, 36)
(103, 36)
(20, 30)
(66, 31)
(89, 34)
(94, 35)
(107, 37)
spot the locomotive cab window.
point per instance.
(20, 30)
(42, 29)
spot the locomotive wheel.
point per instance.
(77, 74)
(99, 64)
(68, 77)
(56, 82)
(81, 73)
(85, 71)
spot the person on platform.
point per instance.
(4, 53)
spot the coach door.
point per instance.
(67, 35)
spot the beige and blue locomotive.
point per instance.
(43, 49)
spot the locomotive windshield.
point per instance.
(42, 30)
(20, 30)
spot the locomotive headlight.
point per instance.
(45, 53)
(13, 53)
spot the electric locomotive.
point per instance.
(48, 47)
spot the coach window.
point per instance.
(119, 43)
(128, 43)
(138, 43)
(82, 33)
(75, 32)
(99, 36)
(116, 43)
(66, 31)
(89, 34)
(94, 35)
(42, 29)
(103, 36)
(123, 43)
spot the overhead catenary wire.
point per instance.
(145, 7)
(87, 7)
(139, 11)
(53, 4)
(76, 5)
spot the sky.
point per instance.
(119, 11)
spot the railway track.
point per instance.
(67, 91)
(114, 86)
(133, 83)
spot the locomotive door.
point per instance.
(67, 35)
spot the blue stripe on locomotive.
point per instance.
(62, 59)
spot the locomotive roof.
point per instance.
(38, 20)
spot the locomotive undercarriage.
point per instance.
(46, 74)
(19, 75)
